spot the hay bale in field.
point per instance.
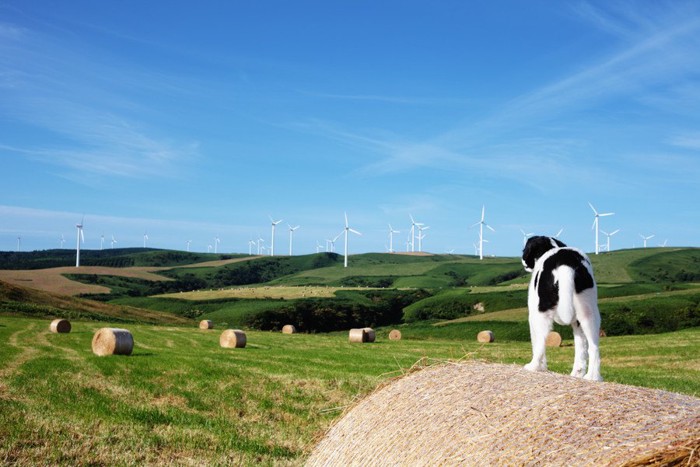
(289, 329)
(485, 336)
(233, 339)
(112, 341)
(206, 324)
(60, 326)
(553, 339)
(395, 335)
(494, 414)
(356, 335)
(370, 335)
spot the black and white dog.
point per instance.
(563, 290)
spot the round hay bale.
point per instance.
(289, 329)
(357, 335)
(60, 326)
(206, 324)
(494, 414)
(233, 339)
(370, 335)
(485, 336)
(112, 341)
(395, 335)
(553, 339)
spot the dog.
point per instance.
(562, 290)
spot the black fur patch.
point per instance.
(548, 291)
(538, 246)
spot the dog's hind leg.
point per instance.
(589, 319)
(540, 325)
(580, 350)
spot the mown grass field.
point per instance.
(182, 399)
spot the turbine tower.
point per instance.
(646, 238)
(19, 243)
(291, 234)
(391, 238)
(272, 242)
(481, 225)
(188, 245)
(113, 241)
(217, 240)
(81, 237)
(414, 224)
(63, 240)
(102, 242)
(421, 236)
(608, 235)
(596, 225)
(346, 230)
(145, 238)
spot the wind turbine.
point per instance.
(346, 230)
(102, 242)
(272, 243)
(391, 238)
(81, 237)
(19, 243)
(608, 235)
(413, 232)
(319, 246)
(260, 246)
(421, 235)
(646, 238)
(145, 238)
(209, 248)
(217, 240)
(63, 240)
(481, 225)
(596, 226)
(113, 241)
(251, 243)
(528, 235)
(188, 245)
(291, 233)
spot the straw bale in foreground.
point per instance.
(485, 336)
(289, 329)
(112, 341)
(553, 339)
(60, 326)
(233, 339)
(395, 335)
(206, 324)
(493, 414)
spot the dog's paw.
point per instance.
(593, 377)
(578, 372)
(534, 366)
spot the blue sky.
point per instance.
(197, 120)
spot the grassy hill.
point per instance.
(641, 290)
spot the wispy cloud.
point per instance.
(656, 54)
(72, 98)
(399, 100)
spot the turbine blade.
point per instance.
(596, 212)
(354, 231)
(489, 227)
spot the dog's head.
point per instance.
(536, 247)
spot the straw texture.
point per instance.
(289, 329)
(491, 414)
(395, 335)
(112, 341)
(233, 339)
(60, 326)
(485, 336)
(206, 324)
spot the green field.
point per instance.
(180, 398)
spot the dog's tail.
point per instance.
(567, 288)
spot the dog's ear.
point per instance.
(536, 247)
(560, 244)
